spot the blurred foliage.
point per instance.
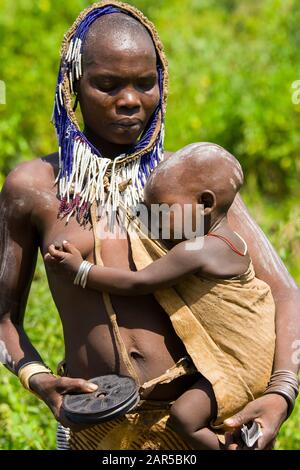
(231, 68)
(232, 64)
(26, 423)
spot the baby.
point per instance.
(201, 177)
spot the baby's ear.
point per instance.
(209, 201)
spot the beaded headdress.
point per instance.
(84, 175)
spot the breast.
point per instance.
(114, 248)
(79, 236)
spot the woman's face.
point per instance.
(119, 90)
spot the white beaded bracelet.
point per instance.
(82, 274)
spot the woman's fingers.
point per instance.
(70, 385)
(244, 416)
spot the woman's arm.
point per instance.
(269, 267)
(269, 410)
(18, 252)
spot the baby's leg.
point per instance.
(191, 414)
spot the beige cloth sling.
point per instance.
(227, 327)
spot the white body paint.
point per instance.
(233, 184)
(5, 357)
(270, 261)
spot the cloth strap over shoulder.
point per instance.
(108, 304)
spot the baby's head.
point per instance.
(200, 173)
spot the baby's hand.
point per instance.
(67, 260)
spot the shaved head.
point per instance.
(119, 88)
(116, 31)
(196, 168)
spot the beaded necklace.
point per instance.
(85, 177)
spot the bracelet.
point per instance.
(286, 384)
(30, 369)
(82, 274)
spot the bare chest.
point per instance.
(52, 229)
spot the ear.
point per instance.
(209, 201)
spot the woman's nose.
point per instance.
(129, 99)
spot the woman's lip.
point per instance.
(133, 125)
(128, 123)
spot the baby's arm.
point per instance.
(164, 272)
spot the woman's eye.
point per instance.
(147, 84)
(106, 87)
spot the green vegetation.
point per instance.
(232, 64)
